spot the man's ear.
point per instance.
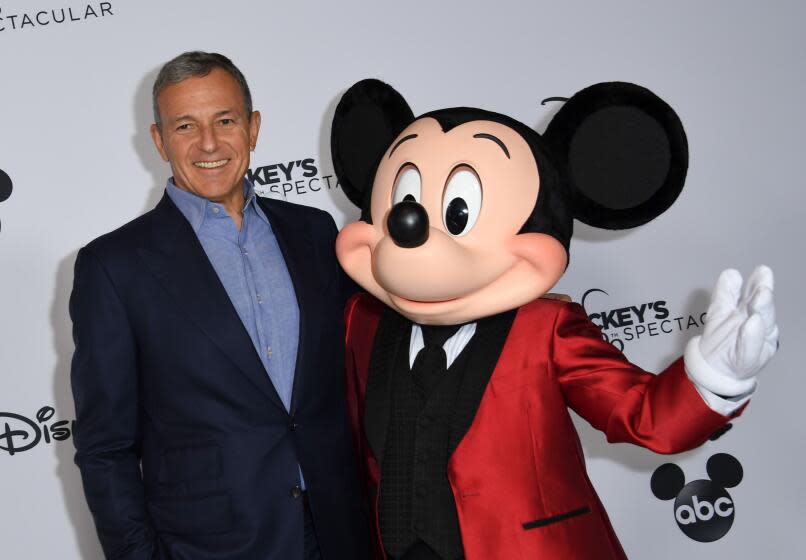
(156, 136)
(254, 129)
(368, 118)
(624, 153)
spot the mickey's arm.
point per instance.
(673, 411)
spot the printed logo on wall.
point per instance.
(6, 186)
(19, 434)
(703, 509)
(299, 177)
(632, 322)
(38, 19)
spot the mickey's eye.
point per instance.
(408, 185)
(461, 202)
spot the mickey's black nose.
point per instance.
(408, 224)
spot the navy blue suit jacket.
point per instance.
(185, 449)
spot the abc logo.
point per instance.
(5, 186)
(703, 509)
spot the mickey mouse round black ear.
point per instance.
(367, 119)
(667, 481)
(725, 470)
(625, 152)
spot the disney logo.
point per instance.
(18, 433)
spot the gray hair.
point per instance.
(193, 64)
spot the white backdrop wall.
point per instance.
(75, 109)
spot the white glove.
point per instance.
(740, 335)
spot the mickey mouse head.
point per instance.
(703, 509)
(466, 213)
(5, 186)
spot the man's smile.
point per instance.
(211, 164)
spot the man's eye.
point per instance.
(185, 126)
(226, 121)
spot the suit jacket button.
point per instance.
(296, 492)
(292, 425)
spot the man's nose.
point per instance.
(209, 139)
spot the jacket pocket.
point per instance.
(184, 516)
(555, 518)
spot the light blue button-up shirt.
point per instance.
(251, 267)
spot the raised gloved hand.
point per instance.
(740, 334)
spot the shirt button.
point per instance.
(269, 352)
(216, 210)
(244, 251)
(296, 492)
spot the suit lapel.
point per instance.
(179, 262)
(485, 350)
(391, 338)
(298, 251)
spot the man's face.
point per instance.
(206, 135)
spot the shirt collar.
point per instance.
(195, 208)
(251, 201)
(453, 346)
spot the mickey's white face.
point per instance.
(478, 184)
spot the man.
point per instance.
(208, 370)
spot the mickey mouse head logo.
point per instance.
(5, 186)
(703, 509)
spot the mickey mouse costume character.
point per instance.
(459, 374)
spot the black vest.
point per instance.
(416, 500)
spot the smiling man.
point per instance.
(208, 370)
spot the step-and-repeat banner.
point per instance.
(76, 161)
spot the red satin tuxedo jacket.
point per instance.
(517, 471)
